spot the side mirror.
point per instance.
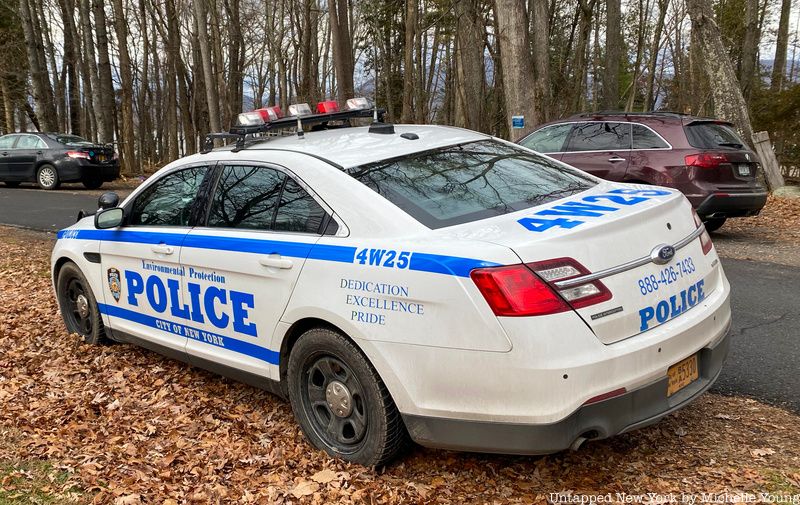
(108, 218)
(108, 200)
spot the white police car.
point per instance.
(410, 281)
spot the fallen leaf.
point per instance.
(305, 488)
(324, 476)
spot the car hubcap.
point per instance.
(339, 399)
(47, 177)
(78, 311)
(335, 399)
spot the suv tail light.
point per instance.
(705, 238)
(705, 160)
(529, 289)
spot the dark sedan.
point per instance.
(48, 159)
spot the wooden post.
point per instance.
(772, 170)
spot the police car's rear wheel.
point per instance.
(340, 401)
(78, 305)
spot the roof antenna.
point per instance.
(300, 132)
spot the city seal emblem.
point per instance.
(114, 283)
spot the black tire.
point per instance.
(12, 184)
(714, 223)
(47, 177)
(92, 183)
(81, 315)
(372, 432)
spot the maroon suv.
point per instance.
(703, 158)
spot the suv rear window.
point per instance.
(469, 182)
(712, 136)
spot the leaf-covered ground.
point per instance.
(773, 235)
(118, 424)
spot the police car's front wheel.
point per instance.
(340, 401)
(78, 305)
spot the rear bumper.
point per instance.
(635, 409)
(74, 170)
(729, 204)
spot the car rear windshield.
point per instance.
(468, 182)
(70, 140)
(712, 136)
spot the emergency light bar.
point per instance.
(300, 114)
(269, 119)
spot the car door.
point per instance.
(27, 151)
(549, 140)
(140, 264)
(601, 148)
(243, 265)
(6, 155)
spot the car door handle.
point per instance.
(275, 261)
(616, 159)
(162, 249)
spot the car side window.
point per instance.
(169, 200)
(246, 197)
(298, 211)
(549, 139)
(645, 138)
(30, 142)
(7, 141)
(600, 136)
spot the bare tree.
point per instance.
(613, 59)
(514, 43)
(729, 103)
(781, 44)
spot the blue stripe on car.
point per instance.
(229, 343)
(422, 262)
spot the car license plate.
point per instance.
(101, 157)
(744, 169)
(682, 374)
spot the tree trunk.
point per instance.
(407, 115)
(729, 103)
(107, 109)
(654, 50)
(781, 44)
(614, 50)
(339, 17)
(173, 48)
(205, 55)
(128, 140)
(513, 39)
(91, 83)
(578, 76)
(748, 67)
(541, 56)
(470, 84)
(40, 81)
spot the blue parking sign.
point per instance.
(518, 121)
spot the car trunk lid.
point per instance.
(613, 232)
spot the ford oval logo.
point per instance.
(662, 254)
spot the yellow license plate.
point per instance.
(100, 157)
(682, 374)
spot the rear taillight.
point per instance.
(78, 154)
(563, 269)
(705, 160)
(705, 239)
(531, 290)
(516, 291)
